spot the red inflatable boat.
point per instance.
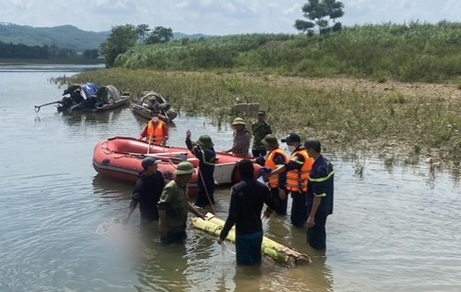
(120, 158)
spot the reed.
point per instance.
(405, 52)
(399, 118)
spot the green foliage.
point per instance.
(319, 13)
(91, 54)
(141, 31)
(233, 85)
(405, 52)
(396, 97)
(120, 40)
(160, 34)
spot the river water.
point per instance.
(394, 228)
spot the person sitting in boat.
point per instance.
(156, 130)
(153, 104)
(203, 150)
(164, 107)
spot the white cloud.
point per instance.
(294, 8)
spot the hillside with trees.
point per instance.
(64, 37)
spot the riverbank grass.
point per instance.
(389, 117)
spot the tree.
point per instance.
(91, 54)
(120, 40)
(319, 13)
(142, 30)
(160, 34)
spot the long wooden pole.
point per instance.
(148, 144)
(37, 107)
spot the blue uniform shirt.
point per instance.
(321, 185)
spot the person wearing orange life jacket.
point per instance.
(156, 130)
(297, 168)
(274, 158)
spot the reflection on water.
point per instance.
(86, 119)
(395, 227)
(39, 68)
(111, 191)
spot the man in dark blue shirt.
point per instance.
(319, 195)
(147, 191)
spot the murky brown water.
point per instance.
(394, 229)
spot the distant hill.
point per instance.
(180, 35)
(65, 36)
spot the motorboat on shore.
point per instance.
(105, 98)
(120, 158)
(88, 98)
(149, 100)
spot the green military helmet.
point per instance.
(184, 167)
(270, 140)
(204, 141)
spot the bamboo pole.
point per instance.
(278, 252)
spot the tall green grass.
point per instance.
(405, 52)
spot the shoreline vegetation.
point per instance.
(391, 89)
(400, 121)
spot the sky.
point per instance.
(215, 17)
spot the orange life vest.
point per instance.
(155, 132)
(297, 179)
(274, 179)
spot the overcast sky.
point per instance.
(214, 17)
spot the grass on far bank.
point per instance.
(413, 120)
(411, 52)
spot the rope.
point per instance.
(224, 244)
(206, 192)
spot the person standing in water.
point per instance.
(246, 203)
(260, 129)
(174, 204)
(203, 150)
(241, 138)
(319, 195)
(147, 191)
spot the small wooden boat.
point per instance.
(149, 100)
(104, 99)
(120, 158)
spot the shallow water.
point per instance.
(393, 228)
